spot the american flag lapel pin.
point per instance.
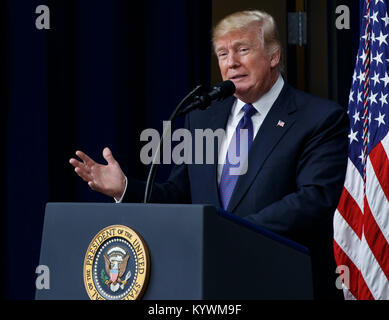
(280, 123)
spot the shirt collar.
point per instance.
(264, 103)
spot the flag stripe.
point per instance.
(380, 164)
(354, 184)
(376, 241)
(378, 203)
(359, 253)
(372, 274)
(364, 292)
(350, 211)
(353, 270)
(348, 295)
(346, 239)
(355, 275)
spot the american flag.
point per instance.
(361, 221)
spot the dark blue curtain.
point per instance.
(347, 42)
(105, 71)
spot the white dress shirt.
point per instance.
(263, 106)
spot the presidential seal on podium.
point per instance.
(116, 265)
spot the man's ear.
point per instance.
(275, 58)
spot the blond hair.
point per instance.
(267, 29)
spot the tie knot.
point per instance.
(249, 110)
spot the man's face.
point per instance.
(243, 61)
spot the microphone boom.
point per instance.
(218, 92)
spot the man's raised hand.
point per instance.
(108, 179)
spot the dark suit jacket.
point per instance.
(294, 179)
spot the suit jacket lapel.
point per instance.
(219, 113)
(214, 118)
(264, 143)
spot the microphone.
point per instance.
(218, 92)
(153, 168)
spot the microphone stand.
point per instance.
(153, 168)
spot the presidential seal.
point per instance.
(116, 265)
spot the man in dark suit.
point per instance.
(297, 149)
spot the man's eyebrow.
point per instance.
(240, 42)
(235, 43)
(217, 49)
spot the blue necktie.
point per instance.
(230, 172)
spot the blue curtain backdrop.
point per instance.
(105, 71)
